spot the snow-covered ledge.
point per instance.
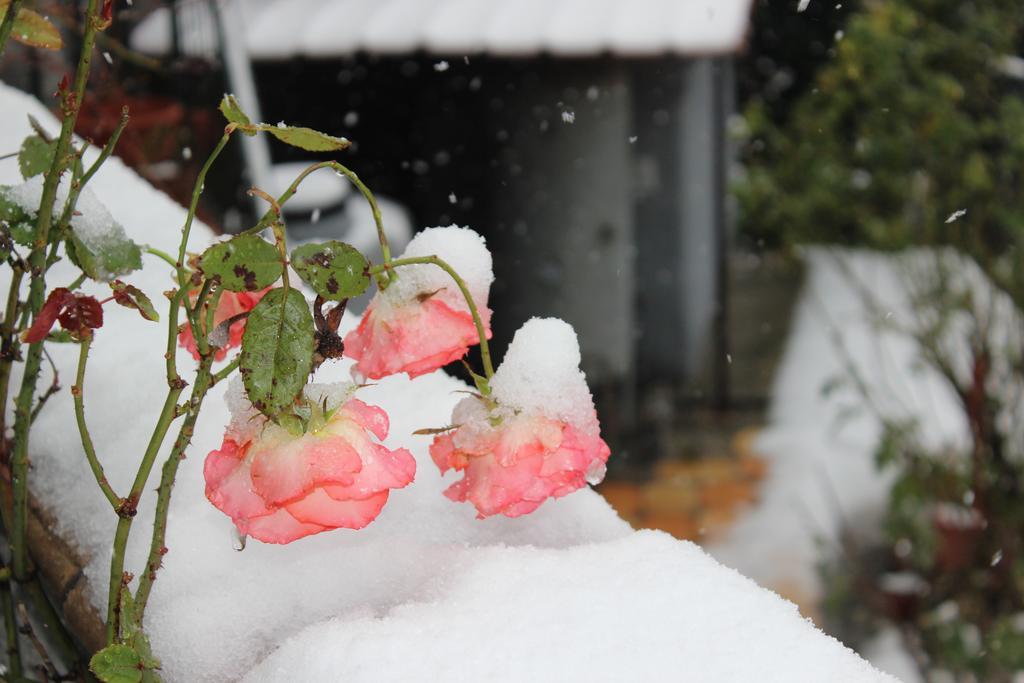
(426, 592)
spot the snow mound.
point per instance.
(331, 395)
(461, 248)
(425, 592)
(821, 447)
(540, 373)
(641, 608)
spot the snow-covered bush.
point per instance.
(913, 136)
(949, 568)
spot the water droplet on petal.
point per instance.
(595, 473)
(237, 539)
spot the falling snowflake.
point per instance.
(441, 66)
(956, 215)
(568, 117)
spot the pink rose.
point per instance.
(421, 321)
(278, 488)
(415, 337)
(537, 435)
(229, 305)
(514, 461)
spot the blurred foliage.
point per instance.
(787, 49)
(957, 601)
(912, 134)
(915, 117)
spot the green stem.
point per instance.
(211, 309)
(127, 510)
(51, 259)
(161, 255)
(170, 355)
(80, 177)
(77, 282)
(282, 254)
(204, 380)
(269, 217)
(199, 333)
(108, 148)
(78, 394)
(7, 337)
(50, 391)
(8, 23)
(37, 290)
(126, 513)
(485, 352)
(226, 371)
(197, 190)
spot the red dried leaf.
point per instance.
(131, 296)
(47, 315)
(106, 14)
(81, 315)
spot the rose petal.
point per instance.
(369, 417)
(515, 465)
(229, 305)
(320, 508)
(415, 337)
(442, 448)
(285, 471)
(279, 527)
(229, 484)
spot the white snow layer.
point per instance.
(91, 222)
(426, 592)
(541, 372)
(462, 249)
(280, 29)
(820, 449)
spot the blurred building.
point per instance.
(584, 138)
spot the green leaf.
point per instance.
(23, 231)
(479, 380)
(335, 270)
(431, 431)
(292, 423)
(277, 351)
(117, 664)
(32, 29)
(232, 111)
(305, 138)
(105, 258)
(36, 156)
(136, 638)
(242, 264)
(131, 296)
(20, 223)
(61, 337)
